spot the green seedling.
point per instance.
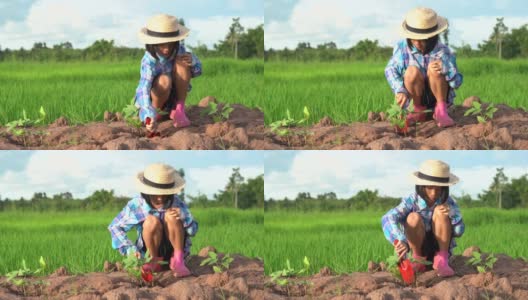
(482, 265)
(130, 114)
(280, 277)
(17, 277)
(483, 116)
(219, 265)
(16, 127)
(280, 127)
(218, 115)
(132, 266)
(392, 264)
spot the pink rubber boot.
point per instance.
(417, 266)
(441, 116)
(153, 266)
(178, 115)
(177, 264)
(441, 264)
(417, 116)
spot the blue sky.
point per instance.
(348, 21)
(22, 173)
(24, 22)
(347, 172)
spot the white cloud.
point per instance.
(387, 171)
(83, 22)
(214, 178)
(347, 22)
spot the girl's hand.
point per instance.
(435, 66)
(174, 212)
(443, 209)
(401, 98)
(137, 255)
(151, 125)
(401, 248)
(186, 59)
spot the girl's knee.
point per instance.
(413, 74)
(172, 220)
(182, 71)
(164, 82)
(414, 219)
(152, 223)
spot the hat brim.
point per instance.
(153, 40)
(419, 181)
(179, 184)
(442, 26)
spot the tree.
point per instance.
(233, 185)
(498, 34)
(235, 30)
(498, 184)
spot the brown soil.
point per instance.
(243, 130)
(507, 130)
(507, 280)
(243, 280)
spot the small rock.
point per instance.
(383, 266)
(108, 266)
(502, 284)
(204, 252)
(61, 121)
(469, 251)
(373, 267)
(205, 101)
(383, 116)
(119, 266)
(373, 116)
(62, 271)
(238, 285)
(326, 271)
(325, 121)
(468, 102)
(119, 116)
(108, 116)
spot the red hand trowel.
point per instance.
(151, 134)
(406, 270)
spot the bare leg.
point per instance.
(414, 83)
(176, 235)
(152, 235)
(442, 230)
(439, 88)
(415, 232)
(161, 88)
(182, 78)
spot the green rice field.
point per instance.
(83, 91)
(347, 241)
(347, 91)
(81, 242)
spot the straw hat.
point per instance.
(163, 29)
(422, 23)
(434, 172)
(159, 179)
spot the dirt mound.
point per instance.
(507, 130)
(243, 280)
(243, 130)
(507, 280)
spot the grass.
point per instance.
(83, 91)
(347, 241)
(81, 242)
(347, 91)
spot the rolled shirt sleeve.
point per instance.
(143, 100)
(395, 69)
(392, 222)
(121, 224)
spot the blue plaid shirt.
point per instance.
(152, 68)
(393, 221)
(403, 57)
(135, 213)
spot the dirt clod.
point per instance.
(204, 252)
(469, 251)
(468, 102)
(205, 101)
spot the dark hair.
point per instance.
(152, 50)
(430, 43)
(444, 192)
(167, 202)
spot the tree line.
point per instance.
(238, 193)
(502, 193)
(239, 43)
(502, 43)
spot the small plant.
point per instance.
(482, 265)
(483, 116)
(397, 116)
(393, 261)
(280, 277)
(17, 277)
(130, 114)
(133, 266)
(216, 113)
(280, 127)
(219, 265)
(17, 126)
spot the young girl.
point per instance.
(164, 223)
(428, 220)
(422, 69)
(166, 71)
